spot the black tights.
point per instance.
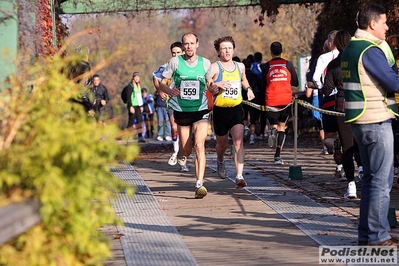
(349, 147)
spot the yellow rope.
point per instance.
(301, 102)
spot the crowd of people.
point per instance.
(356, 77)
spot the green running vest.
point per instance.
(192, 84)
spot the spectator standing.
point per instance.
(131, 96)
(164, 128)
(332, 81)
(369, 87)
(101, 97)
(393, 59)
(148, 112)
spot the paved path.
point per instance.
(274, 221)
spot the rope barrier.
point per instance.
(301, 102)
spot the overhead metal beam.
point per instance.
(106, 6)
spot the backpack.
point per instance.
(124, 95)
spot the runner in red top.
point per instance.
(278, 77)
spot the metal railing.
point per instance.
(17, 218)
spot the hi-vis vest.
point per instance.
(397, 94)
(192, 84)
(136, 98)
(232, 96)
(355, 103)
(278, 89)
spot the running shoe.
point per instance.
(351, 192)
(159, 138)
(168, 138)
(247, 133)
(173, 159)
(272, 140)
(252, 140)
(342, 175)
(360, 173)
(221, 170)
(325, 151)
(212, 136)
(278, 161)
(184, 168)
(182, 160)
(200, 192)
(240, 182)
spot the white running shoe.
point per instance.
(351, 192)
(168, 138)
(173, 159)
(240, 182)
(278, 161)
(324, 151)
(159, 138)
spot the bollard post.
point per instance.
(295, 171)
(392, 217)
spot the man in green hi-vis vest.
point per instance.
(191, 75)
(369, 87)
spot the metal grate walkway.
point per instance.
(324, 226)
(149, 237)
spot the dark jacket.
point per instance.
(100, 93)
(255, 83)
(332, 80)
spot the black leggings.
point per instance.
(349, 147)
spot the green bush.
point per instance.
(53, 152)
